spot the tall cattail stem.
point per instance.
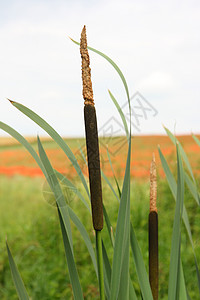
(100, 263)
(93, 156)
(91, 137)
(153, 233)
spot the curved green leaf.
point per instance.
(122, 236)
(196, 140)
(55, 136)
(64, 222)
(20, 288)
(121, 113)
(173, 187)
(174, 271)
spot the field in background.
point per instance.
(32, 228)
(15, 159)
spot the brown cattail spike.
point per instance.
(91, 138)
(153, 233)
(153, 185)
(86, 71)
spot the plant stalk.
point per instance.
(100, 263)
(93, 157)
(153, 233)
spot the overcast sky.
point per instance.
(156, 44)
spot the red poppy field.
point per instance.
(15, 159)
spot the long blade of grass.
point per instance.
(23, 142)
(196, 140)
(168, 173)
(109, 226)
(173, 187)
(122, 231)
(124, 280)
(70, 185)
(19, 284)
(121, 113)
(132, 294)
(107, 271)
(109, 184)
(117, 184)
(182, 152)
(55, 136)
(140, 267)
(56, 189)
(137, 255)
(192, 188)
(182, 288)
(184, 156)
(64, 222)
(176, 235)
(84, 235)
(77, 291)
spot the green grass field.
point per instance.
(31, 226)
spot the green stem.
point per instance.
(100, 263)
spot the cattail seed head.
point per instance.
(86, 71)
(92, 141)
(153, 185)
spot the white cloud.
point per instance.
(157, 82)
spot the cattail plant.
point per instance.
(153, 232)
(92, 154)
(117, 279)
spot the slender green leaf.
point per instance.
(77, 291)
(196, 140)
(173, 187)
(107, 271)
(140, 267)
(109, 184)
(109, 226)
(169, 176)
(120, 112)
(132, 294)
(176, 235)
(70, 185)
(55, 136)
(24, 142)
(64, 222)
(182, 288)
(182, 152)
(118, 188)
(82, 154)
(138, 259)
(84, 234)
(192, 188)
(124, 280)
(19, 285)
(122, 232)
(56, 189)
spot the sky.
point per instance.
(156, 44)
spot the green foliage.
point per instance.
(46, 278)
